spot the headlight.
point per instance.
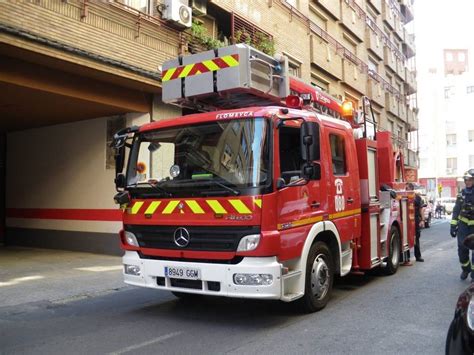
(131, 239)
(253, 279)
(249, 242)
(470, 314)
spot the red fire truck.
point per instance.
(270, 190)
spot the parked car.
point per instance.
(448, 204)
(460, 338)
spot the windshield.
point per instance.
(213, 157)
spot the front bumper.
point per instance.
(154, 270)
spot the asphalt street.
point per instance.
(407, 313)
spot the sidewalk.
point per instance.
(36, 275)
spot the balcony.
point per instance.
(374, 42)
(411, 158)
(333, 7)
(389, 59)
(375, 89)
(353, 18)
(325, 57)
(352, 75)
(398, 27)
(400, 66)
(387, 15)
(409, 48)
(376, 4)
(407, 10)
(391, 104)
(403, 111)
(410, 82)
(106, 30)
(412, 120)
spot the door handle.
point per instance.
(350, 200)
(315, 204)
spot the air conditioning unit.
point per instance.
(178, 13)
(199, 7)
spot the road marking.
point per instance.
(100, 268)
(21, 279)
(138, 346)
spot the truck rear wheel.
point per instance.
(393, 258)
(318, 279)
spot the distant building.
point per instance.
(446, 123)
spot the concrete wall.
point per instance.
(58, 187)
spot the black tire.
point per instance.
(319, 278)
(393, 258)
(428, 221)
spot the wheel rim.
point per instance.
(320, 277)
(395, 249)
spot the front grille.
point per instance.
(200, 238)
(194, 284)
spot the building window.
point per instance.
(114, 124)
(319, 83)
(461, 57)
(140, 5)
(449, 56)
(448, 92)
(470, 89)
(450, 140)
(293, 3)
(451, 165)
(294, 65)
(338, 154)
(373, 66)
(470, 135)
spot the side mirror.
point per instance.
(469, 241)
(309, 141)
(122, 198)
(120, 182)
(119, 159)
(311, 171)
(280, 183)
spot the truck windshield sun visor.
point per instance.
(218, 157)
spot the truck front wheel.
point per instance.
(318, 279)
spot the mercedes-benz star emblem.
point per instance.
(181, 237)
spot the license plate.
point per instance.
(177, 272)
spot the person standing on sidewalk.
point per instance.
(462, 223)
(419, 221)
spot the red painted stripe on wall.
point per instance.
(66, 214)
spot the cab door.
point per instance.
(344, 200)
(300, 204)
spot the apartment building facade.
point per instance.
(447, 130)
(74, 72)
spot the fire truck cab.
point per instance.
(267, 202)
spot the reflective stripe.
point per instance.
(170, 207)
(258, 202)
(136, 207)
(240, 206)
(194, 206)
(185, 71)
(454, 222)
(210, 65)
(216, 206)
(466, 263)
(230, 61)
(466, 220)
(152, 208)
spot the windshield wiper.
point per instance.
(156, 187)
(228, 188)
